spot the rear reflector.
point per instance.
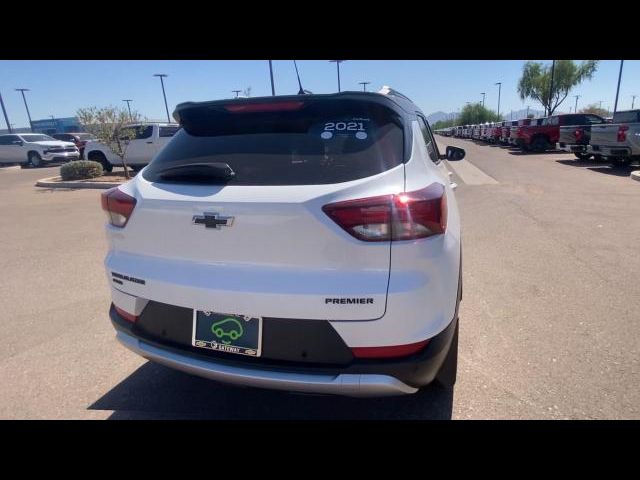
(406, 216)
(130, 317)
(118, 206)
(263, 107)
(389, 352)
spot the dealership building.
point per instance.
(56, 125)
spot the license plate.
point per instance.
(238, 334)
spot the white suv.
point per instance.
(307, 243)
(35, 148)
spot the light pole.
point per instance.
(53, 120)
(129, 107)
(273, 88)
(575, 110)
(615, 105)
(499, 90)
(6, 118)
(553, 68)
(600, 104)
(364, 85)
(633, 101)
(337, 62)
(163, 75)
(527, 111)
(483, 95)
(24, 99)
(236, 92)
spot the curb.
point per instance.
(52, 182)
(636, 175)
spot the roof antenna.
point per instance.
(301, 91)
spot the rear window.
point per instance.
(168, 131)
(323, 142)
(627, 117)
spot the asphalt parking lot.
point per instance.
(549, 318)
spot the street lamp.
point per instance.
(615, 105)
(364, 85)
(163, 75)
(53, 120)
(483, 95)
(575, 110)
(22, 90)
(528, 111)
(236, 92)
(553, 68)
(337, 62)
(129, 107)
(633, 101)
(6, 118)
(499, 89)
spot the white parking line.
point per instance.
(470, 174)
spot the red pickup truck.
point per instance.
(544, 134)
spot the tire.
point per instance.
(101, 159)
(35, 160)
(539, 144)
(582, 156)
(447, 374)
(598, 158)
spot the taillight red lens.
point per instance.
(406, 216)
(388, 352)
(118, 206)
(579, 133)
(263, 107)
(622, 133)
(130, 317)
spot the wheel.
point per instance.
(101, 159)
(582, 156)
(34, 159)
(598, 158)
(446, 377)
(539, 144)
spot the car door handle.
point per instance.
(149, 142)
(453, 185)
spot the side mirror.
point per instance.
(453, 153)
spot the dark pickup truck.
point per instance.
(575, 138)
(619, 140)
(543, 135)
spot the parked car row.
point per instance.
(583, 134)
(36, 149)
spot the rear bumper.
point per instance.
(352, 377)
(571, 148)
(607, 151)
(353, 385)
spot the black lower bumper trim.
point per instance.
(281, 350)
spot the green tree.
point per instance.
(443, 124)
(474, 113)
(535, 82)
(595, 109)
(110, 126)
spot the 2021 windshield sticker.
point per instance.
(356, 127)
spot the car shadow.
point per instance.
(519, 152)
(157, 392)
(607, 168)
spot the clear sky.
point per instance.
(59, 88)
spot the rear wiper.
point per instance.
(218, 170)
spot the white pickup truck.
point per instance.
(147, 139)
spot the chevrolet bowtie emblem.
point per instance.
(212, 220)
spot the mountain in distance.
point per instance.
(437, 117)
(517, 115)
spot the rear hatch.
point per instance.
(259, 243)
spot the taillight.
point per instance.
(622, 133)
(579, 133)
(388, 352)
(118, 206)
(406, 216)
(130, 317)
